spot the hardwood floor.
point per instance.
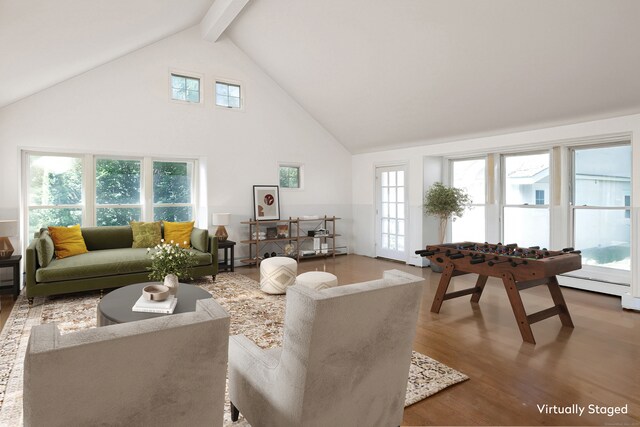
(594, 364)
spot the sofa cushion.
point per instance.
(200, 239)
(45, 248)
(108, 262)
(68, 241)
(111, 237)
(178, 232)
(146, 234)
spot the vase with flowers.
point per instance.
(169, 263)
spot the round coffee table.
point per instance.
(115, 307)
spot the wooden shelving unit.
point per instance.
(298, 228)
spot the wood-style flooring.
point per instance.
(597, 363)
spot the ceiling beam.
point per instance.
(220, 15)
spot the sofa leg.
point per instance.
(214, 278)
(235, 413)
(30, 302)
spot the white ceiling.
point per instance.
(400, 72)
(43, 42)
(376, 74)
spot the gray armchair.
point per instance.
(344, 360)
(165, 371)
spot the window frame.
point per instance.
(97, 206)
(229, 82)
(149, 190)
(484, 205)
(188, 75)
(89, 205)
(612, 276)
(503, 190)
(300, 167)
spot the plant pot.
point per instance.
(171, 282)
(436, 268)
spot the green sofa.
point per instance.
(110, 263)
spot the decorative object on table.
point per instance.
(266, 202)
(221, 219)
(155, 292)
(288, 249)
(8, 228)
(171, 262)
(166, 306)
(283, 231)
(272, 232)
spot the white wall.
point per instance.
(123, 107)
(363, 179)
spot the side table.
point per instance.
(228, 247)
(11, 286)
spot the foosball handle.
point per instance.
(424, 252)
(575, 252)
(456, 256)
(567, 249)
(477, 261)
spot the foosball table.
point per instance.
(519, 268)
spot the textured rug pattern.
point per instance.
(255, 314)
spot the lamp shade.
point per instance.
(8, 227)
(220, 218)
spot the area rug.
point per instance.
(255, 314)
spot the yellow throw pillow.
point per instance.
(179, 232)
(67, 241)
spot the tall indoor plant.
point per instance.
(445, 202)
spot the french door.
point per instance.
(391, 212)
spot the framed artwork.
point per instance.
(266, 202)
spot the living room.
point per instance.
(436, 91)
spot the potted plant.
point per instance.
(169, 263)
(445, 202)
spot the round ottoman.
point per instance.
(317, 280)
(277, 273)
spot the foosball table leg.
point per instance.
(445, 279)
(518, 308)
(558, 300)
(482, 280)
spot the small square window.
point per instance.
(290, 176)
(185, 88)
(227, 95)
(539, 197)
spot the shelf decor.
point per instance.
(266, 202)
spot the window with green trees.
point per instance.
(59, 191)
(172, 191)
(290, 176)
(118, 191)
(54, 191)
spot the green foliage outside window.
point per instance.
(289, 177)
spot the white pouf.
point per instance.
(277, 273)
(317, 280)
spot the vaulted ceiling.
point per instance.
(376, 74)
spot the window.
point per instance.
(54, 191)
(172, 191)
(94, 190)
(227, 95)
(118, 191)
(469, 174)
(185, 88)
(526, 222)
(539, 197)
(290, 175)
(601, 205)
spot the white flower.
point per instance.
(162, 240)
